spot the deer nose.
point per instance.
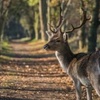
(46, 46)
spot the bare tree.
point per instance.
(94, 26)
(43, 18)
(4, 7)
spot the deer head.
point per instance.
(58, 39)
(55, 42)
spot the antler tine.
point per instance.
(50, 27)
(85, 19)
(58, 27)
(60, 20)
(62, 14)
(62, 17)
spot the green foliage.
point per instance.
(17, 7)
(24, 22)
(26, 13)
(32, 2)
(54, 2)
(5, 46)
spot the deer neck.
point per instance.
(64, 56)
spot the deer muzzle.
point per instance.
(46, 47)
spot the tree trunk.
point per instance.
(4, 19)
(4, 8)
(48, 13)
(1, 27)
(83, 37)
(43, 18)
(36, 25)
(92, 39)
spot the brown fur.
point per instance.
(82, 68)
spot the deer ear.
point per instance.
(65, 37)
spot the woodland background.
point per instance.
(27, 71)
(30, 18)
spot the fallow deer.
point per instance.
(83, 68)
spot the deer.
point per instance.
(83, 68)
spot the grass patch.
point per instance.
(4, 58)
(5, 47)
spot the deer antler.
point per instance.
(62, 17)
(85, 19)
(50, 27)
(62, 14)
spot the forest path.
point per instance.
(31, 73)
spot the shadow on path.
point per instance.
(9, 98)
(14, 55)
(37, 89)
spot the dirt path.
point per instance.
(32, 74)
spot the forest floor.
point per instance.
(30, 73)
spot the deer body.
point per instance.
(64, 57)
(82, 68)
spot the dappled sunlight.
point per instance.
(25, 77)
(32, 48)
(27, 71)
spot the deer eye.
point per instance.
(58, 41)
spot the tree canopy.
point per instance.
(32, 18)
